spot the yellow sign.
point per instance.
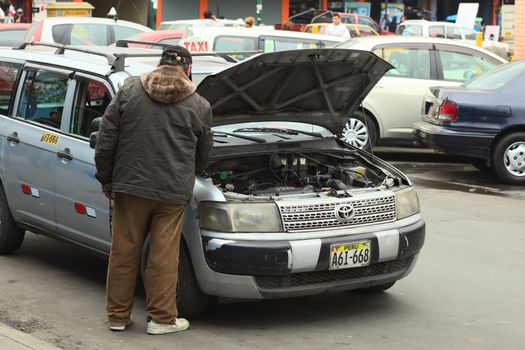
(58, 9)
(49, 138)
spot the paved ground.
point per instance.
(465, 293)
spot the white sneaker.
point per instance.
(119, 327)
(181, 324)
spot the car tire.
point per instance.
(508, 159)
(360, 131)
(11, 236)
(376, 289)
(480, 164)
(191, 302)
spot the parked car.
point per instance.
(81, 30)
(484, 120)
(354, 29)
(450, 31)
(447, 30)
(171, 37)
(394, 104)
(312, 16)
(281, 211)
(12, 34)
(249, 41)
(183, 25)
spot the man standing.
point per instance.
(154, 137)
(336, 28)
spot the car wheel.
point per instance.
(11, 236)
(480, 164)
(376, 289)
(359, 131)
(191, 302)
(508, 159)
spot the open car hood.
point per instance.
(315, 86)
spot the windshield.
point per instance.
(497, 77)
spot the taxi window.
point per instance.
(89, 34)
(8, 75)
(436, 31)
(453, 32)
(234, 43)
(410, 30)
(348, 19)
(408, 62)
(43, 97)
(123, 32)
(91, 99)
(281, 44)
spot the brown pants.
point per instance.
(133, 218)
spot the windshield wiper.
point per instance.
(249, 138)
(282, 131)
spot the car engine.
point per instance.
(288, 173)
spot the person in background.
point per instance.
(403, 19)
(336, 28)
(154, 138)
(392, 26)
(209, 19)
(19, 17)
(249, 22)
(385, 22)
(288, 25)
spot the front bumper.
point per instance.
(278, 269)
(461, 143)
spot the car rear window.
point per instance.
(498, 76)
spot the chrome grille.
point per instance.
(376, 209)
(319, 277)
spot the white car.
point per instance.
(429, 29)
(252, 40)
(186, 24)
(394, 104)
(82, 30)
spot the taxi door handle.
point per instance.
(65, 154)
(13, 138)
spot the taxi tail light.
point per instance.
(448, 111)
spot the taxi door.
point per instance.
(32, 144)
(82, 210)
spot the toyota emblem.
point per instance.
(344, 212)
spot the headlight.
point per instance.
(407, 203)
(240, 217)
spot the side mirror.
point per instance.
(95, 123)
(93, 139)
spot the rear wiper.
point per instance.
(249, 138)
(282, 131)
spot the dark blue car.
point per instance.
(484, 120)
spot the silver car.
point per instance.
(285, 209)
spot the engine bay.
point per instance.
(288, 173)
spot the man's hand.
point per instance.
(109, 194)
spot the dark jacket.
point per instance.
(154, 137)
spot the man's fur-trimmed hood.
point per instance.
(167, 84)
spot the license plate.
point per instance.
(347, 255)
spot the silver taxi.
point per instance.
(285, 209)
